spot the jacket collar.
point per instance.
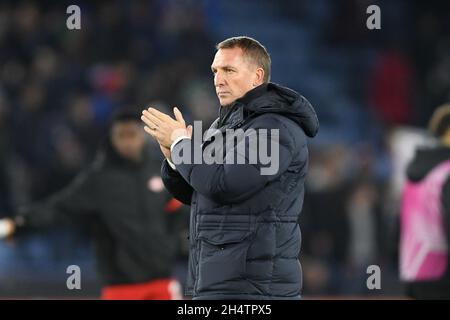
(234, 113)
(253, 94)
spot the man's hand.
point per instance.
(166, 152)
(164, 128)
(7, 228)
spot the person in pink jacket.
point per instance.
(425, 216)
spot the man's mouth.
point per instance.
(222, 93)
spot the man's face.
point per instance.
(234, 75)
(128, 139)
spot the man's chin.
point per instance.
(226, 102)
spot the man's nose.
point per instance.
(218, 79)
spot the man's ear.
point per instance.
(259, 77)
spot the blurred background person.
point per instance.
(425, 216)
(374, 91)
(122, 200)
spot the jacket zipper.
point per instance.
(197, 242)
(196, 247)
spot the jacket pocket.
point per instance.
(223, 236)
(222, 258)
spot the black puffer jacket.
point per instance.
(244, 235)
(124, 204)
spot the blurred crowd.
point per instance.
(58, 89)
